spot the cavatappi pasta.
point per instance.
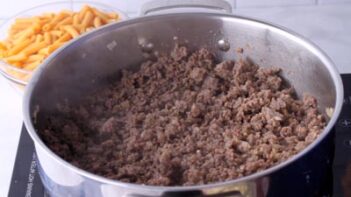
(30, 40)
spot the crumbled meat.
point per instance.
(243, 147)
(198, 74)
(179, 53)
(185, 119)
(108, 128)
(240, 50)
(196, 110)
(223, 69)
(210, 83)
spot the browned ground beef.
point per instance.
(184, 120)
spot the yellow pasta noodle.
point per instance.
(19, 47)
(27, 33)
(83, 11)
(75, 20)
(30, 40)
(36, 57)
(97, 22)
(32, 65)
(105, 18)
(71, 30)
(2, 46)
(18, 64)
(16, 58)
(88, 19)
(19, 26)
(17, 34)
(60, 16)
(64, 38)
(66, 21)
(44, 51)
(112, 15)
(36, 28)
(47, 38)
(57, 33)
(55, 46)
(80, 28)
(39, 38)
(33, 48)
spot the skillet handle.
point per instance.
(161, 5)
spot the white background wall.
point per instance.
(11, 7)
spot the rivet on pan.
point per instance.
(223, 45)
(147, 47)
(110, 46)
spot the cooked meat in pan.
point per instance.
(185, 119)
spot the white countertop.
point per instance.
(329, 26)
(10, 127)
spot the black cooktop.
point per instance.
(26, 181)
